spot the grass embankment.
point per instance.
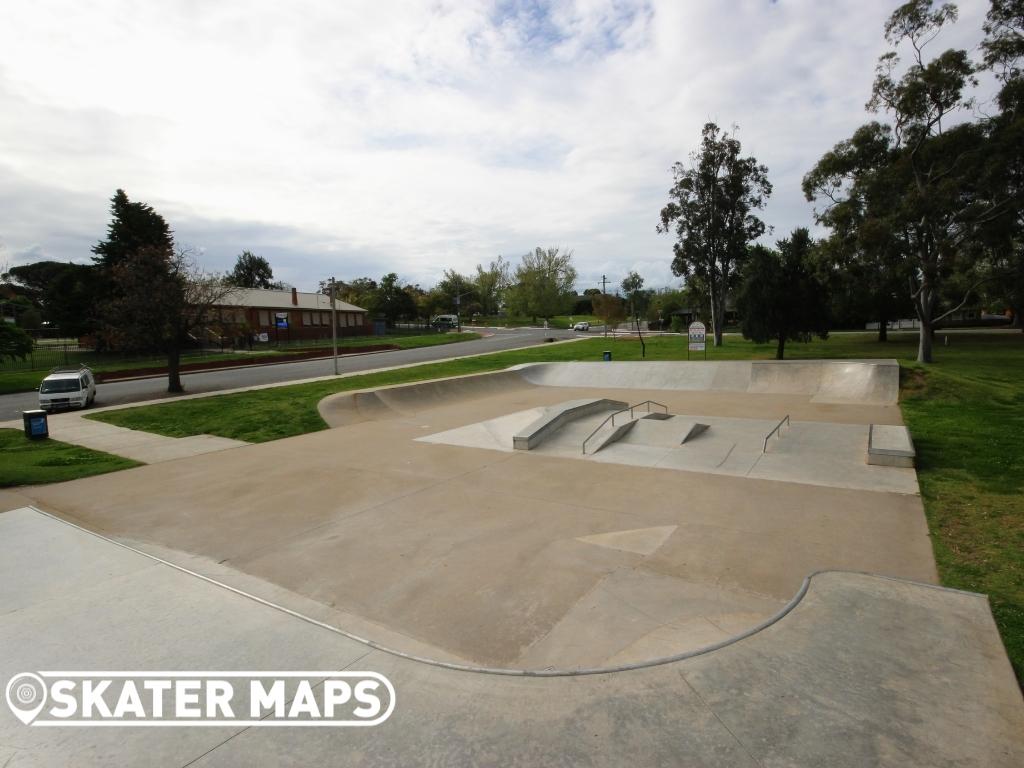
(27, 462)
(966, 412)
(23, 380)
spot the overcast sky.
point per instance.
(358, 138)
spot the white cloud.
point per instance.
(359, 138)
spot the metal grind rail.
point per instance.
(776, 428)
(611, 418)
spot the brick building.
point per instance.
(287, 315)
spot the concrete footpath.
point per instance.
(145, 447)
(859, 671)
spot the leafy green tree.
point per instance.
(14, 342)
(632, 284)
(393, 301)
(458, 290)
(932, 190)
(663, 303)
(545, 283)
(251, 271)
(491, 284)
(1003, 46)
(610, 308)
(711, 211)
(782, 295)
(161, 301)
(361, 292)
(867, 255)
(1003, 238)
(132, 226)
(69, 294)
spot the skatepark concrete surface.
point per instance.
(512, 561)
(860, 671)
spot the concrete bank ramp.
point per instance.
(388, 402)
(869, 382)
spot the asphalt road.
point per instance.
(139, 390)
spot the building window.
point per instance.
(307, 318)
(265, 317)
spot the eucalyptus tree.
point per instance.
(711, 210)
(921, 180)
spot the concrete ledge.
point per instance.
(558, 416)
(890, 446)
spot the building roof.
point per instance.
(263, 298)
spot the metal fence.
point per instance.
(49, 354)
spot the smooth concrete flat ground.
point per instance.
(864, 671)
(500, 559)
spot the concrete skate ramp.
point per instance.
(387, 402)
(874, 382)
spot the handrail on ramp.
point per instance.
(776, 428)
(613, 414)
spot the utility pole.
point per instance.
(604, 283)
(334, 324)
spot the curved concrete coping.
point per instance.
(547, 672)
(557, 416)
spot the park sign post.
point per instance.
(697, 339)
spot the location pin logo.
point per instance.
(26, 696)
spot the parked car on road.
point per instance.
(583, 325)
(67, 388)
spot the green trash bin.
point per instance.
(607, 355)
(36, 427)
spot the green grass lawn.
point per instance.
(411, 341)
(966, 413)
(20, 380)
(27, 462)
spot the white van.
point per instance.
(445, 321)
(67, 388)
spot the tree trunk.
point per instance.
(924, 341)
(883, 330)
(781, 349)
(924, 304)
(174, 371)
(1018, 321)
(717, 316)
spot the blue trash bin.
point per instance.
(36, 427)
(607, 355)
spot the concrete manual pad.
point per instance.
(861, 671)
(890, 446)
